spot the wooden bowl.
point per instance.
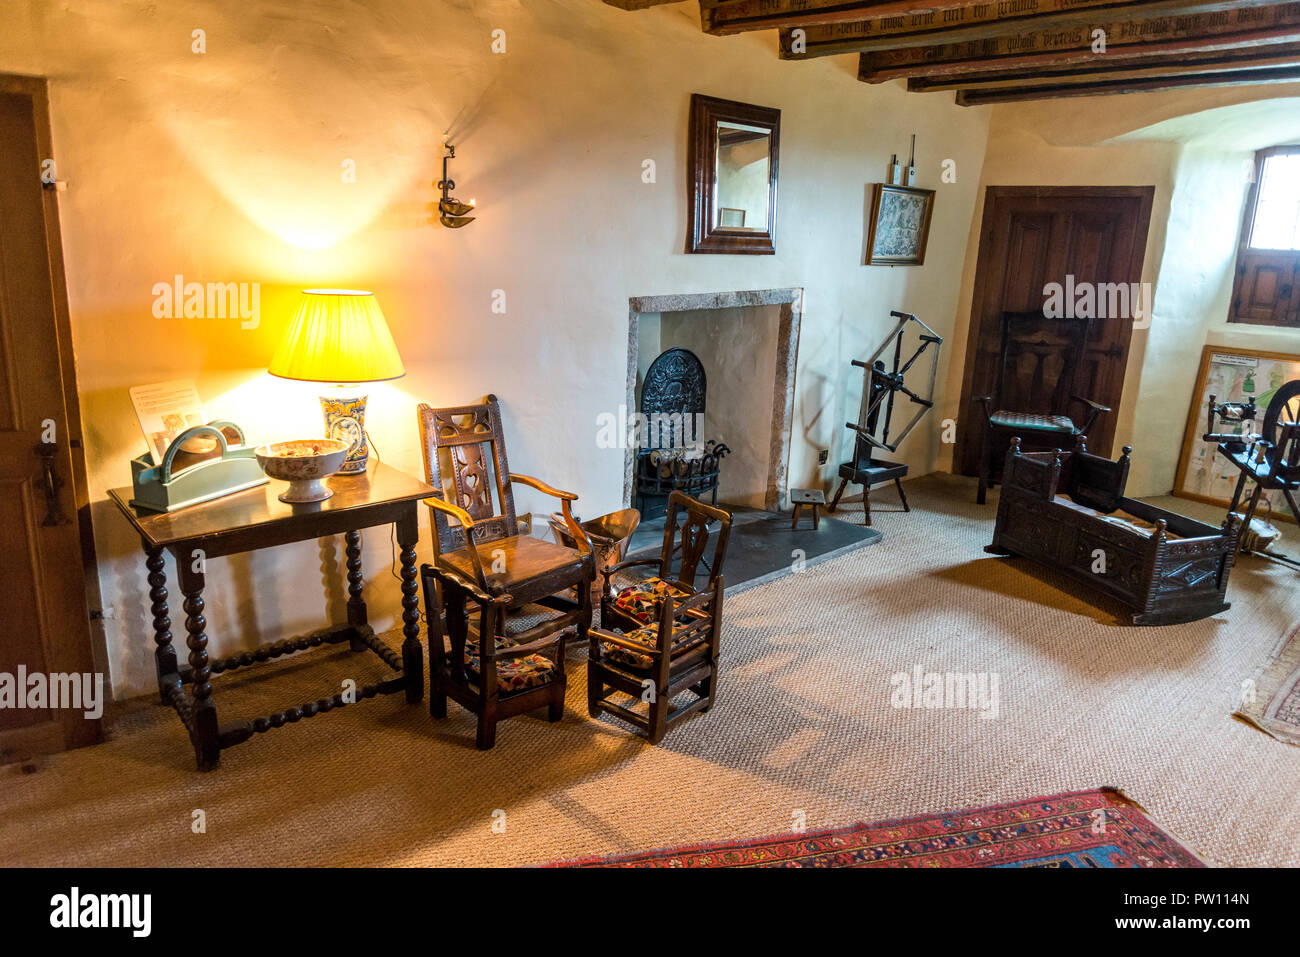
(303, 463)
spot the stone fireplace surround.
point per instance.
(790, 302)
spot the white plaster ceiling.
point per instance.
(1241, 126)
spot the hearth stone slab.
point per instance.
(762, 544)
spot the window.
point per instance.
(1277, 210)
(1266, 290)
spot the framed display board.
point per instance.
(1231, 375)
(899, 228)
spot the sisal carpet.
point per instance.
(1088, 829)
(805, 733)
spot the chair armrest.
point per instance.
(1096, 409)
(607, 572)
(460, 581)
(455, 511)
(467, 523)
(543, 487)
(1095, 406)
(578, 533)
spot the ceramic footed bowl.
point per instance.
(303, 463)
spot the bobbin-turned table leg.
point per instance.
(164, 654)
(203, 729)
(356, 604)
(408, 533)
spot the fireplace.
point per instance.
(671, 456)
(748, 343)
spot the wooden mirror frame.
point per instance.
(701, 177)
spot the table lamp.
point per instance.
(340, 336)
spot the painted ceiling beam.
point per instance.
(969, 21)
(1052, 90)
(1200, 33)
(639, 4)
(1147, 67)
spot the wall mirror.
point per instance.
(731, 176)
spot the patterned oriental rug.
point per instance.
(1271, 701)
(1083, 829)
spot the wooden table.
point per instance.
(253, 519)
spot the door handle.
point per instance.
(51, 483)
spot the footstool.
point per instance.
(813, 498)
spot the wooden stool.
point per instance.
(814, 498)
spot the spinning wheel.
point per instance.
(1284, 407)
(1271, 458)
(880, 390)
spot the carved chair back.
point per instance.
(465, 460)
(694, 533)
(1038, 362)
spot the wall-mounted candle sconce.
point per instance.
(452, 213)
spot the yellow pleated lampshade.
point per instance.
(337, 335)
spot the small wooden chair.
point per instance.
(497, 677)
(1038, 361)
(668, 641)
(465, 459)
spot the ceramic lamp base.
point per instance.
(345, 420)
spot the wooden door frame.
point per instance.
(983, 266)
(36, 89)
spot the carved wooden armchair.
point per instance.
(659, 637)
(1033, 388)
(483, 560)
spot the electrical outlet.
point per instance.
(823, 456)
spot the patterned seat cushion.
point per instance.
(649, 637)
(1027, 420)
(513, 674)
(643, 600)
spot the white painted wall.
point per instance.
(1193, 290)
(226, 166)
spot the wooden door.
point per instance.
(44, 627)
(1032, 236)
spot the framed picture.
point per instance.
(729, 218)
(900, 225)
(1230, 375)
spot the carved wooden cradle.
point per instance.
(1068, 510)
